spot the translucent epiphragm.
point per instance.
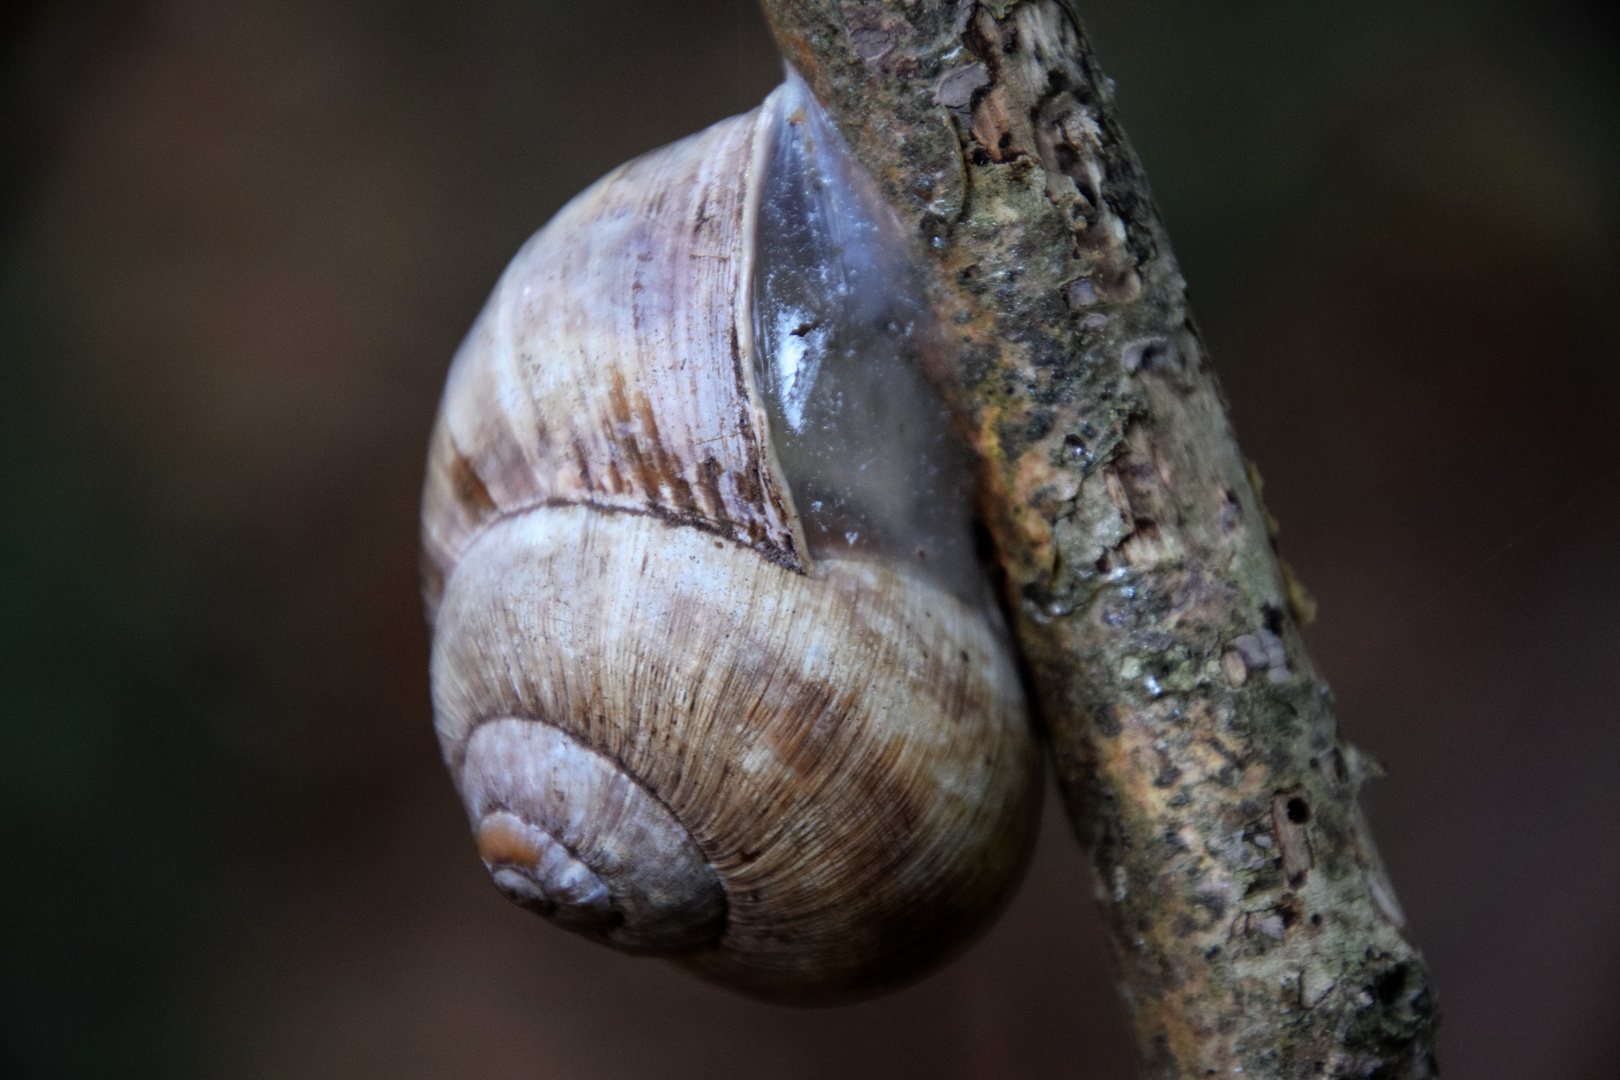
(842, 331)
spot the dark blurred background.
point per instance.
(240, 243)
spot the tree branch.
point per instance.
(1252, 922)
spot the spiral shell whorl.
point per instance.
(847, 751)
(567, 833)
(679, 727)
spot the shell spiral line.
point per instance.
(714, 668)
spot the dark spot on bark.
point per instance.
(1231, 511)
(1153, 355)
(1295, 858)
(1316, 919)
(1232, 759)
(979, 157)
(1388, 986)
(1288, 912)
(1273, 617)
(1067, 158)
(1168, 773)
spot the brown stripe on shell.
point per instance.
(611, 365)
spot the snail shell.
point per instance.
(714, 667)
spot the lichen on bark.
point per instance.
(1252, 923)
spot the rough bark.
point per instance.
(1253, 927)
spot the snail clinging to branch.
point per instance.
(715, 668)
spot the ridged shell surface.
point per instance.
(677, 730)
(611, 365)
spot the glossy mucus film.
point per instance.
(841, 332)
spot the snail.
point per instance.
(716, 670)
